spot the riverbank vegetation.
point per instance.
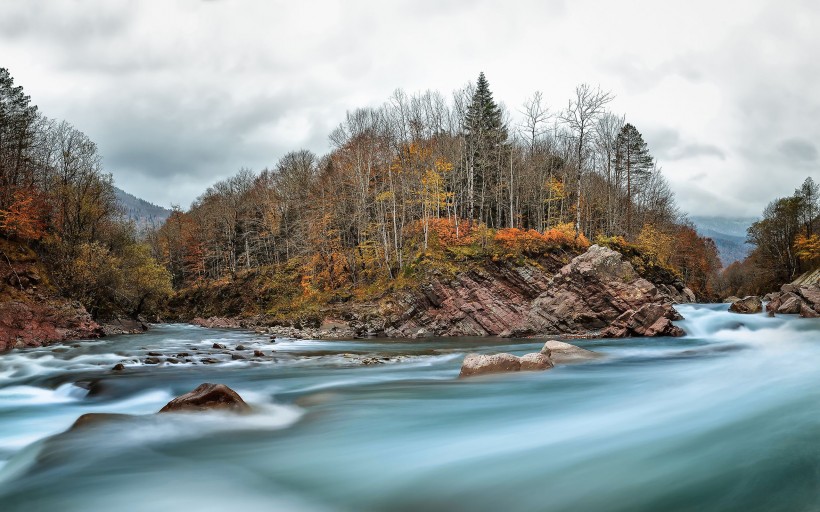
(56, 198)
(786, 244)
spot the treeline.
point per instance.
(56, 197)
(787, 244)
(426, 167)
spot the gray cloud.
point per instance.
(181, 93)
(798, 150)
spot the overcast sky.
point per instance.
(179, 94)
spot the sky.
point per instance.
(179, 94)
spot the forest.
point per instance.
(422, 178)
(425, 172)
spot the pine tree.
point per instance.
(633, 162)
(486, 134)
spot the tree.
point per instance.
(809, 193)
(632, 160)
(486, 134)
(580, 116)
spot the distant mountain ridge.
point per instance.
(144, 214)
(729, 234)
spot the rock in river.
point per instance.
(747, 305)
(207, 397)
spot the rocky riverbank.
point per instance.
(597, 294)
(33, 313)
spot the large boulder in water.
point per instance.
(747, 305)
(208, 397)
(483, 364)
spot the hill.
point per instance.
(729, 235)
(143, 213)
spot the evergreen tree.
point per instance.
(486, 134)
(633, 163)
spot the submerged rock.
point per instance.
(205, 397)
(747, 305)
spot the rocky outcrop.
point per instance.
(747, 305)
(32, 313)
(795, 299)
(583, 298)
(45, 320)
(207, 397)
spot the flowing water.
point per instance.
(727, 418)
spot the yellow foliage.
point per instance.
(656, 243)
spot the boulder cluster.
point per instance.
(794, 299)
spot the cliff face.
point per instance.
(597, 293)
(31, 311)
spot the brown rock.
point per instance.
(747, 305)
(790, 304)
(807, 312)
(118, 367)
(483, 364)
(648, 320)
(207, 397)
(561, 352)
(535, 362)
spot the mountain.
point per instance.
(729, 234)
(143, 213)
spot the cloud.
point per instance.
(798, 150)
(181, 93)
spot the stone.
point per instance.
(536, 362)
(790, 304)
(206, 397)
(483, 364)
(648, 320)
(258, 353)
(807, 312)
(731, 300)
(152, 360)
(747, 305)
(118, 367)
(560, 352)
(218, 346)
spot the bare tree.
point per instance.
(580, 116)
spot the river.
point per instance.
(726, 418)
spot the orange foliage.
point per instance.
(530, 241)
(451, 233)
(807, 248)
(24, 217)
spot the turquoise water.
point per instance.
(727, 418)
